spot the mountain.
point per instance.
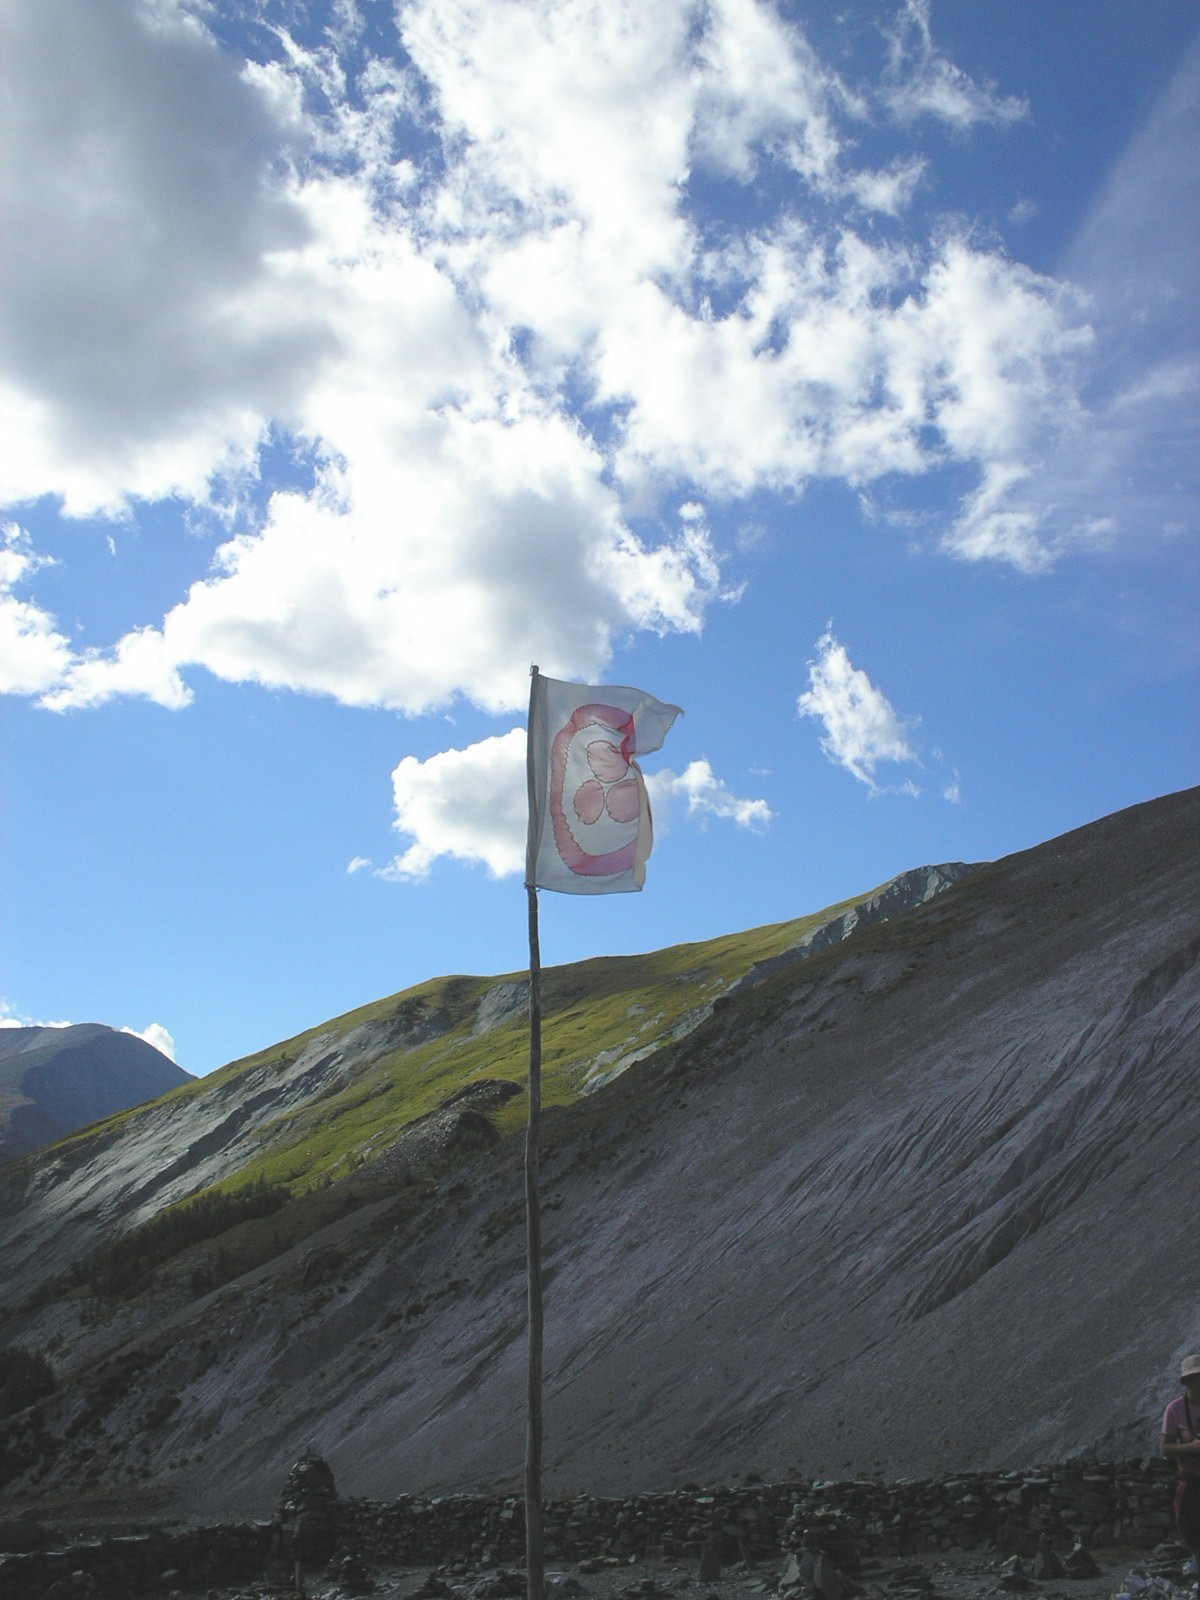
(355, 1097)
(54, 1080)
(909, 1203)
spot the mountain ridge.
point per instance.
(280, 1114)
(56, 1080)
(931, 1162)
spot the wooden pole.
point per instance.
(533, 1236)
(534, 1562)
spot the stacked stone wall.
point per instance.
(1126, 1504)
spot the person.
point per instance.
(1181, 1444)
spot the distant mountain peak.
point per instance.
(54, 1081)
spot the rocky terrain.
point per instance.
(1069, 1531)
(54, 1080)
(902, 1206)
(959, 1576)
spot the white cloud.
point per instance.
(34, 656)
(12, 1019)
(204, 250)
(924, 83)
(1135, 468)
(705, 795)
(1115, 468)
(446, 570)
(139, 664)
(357, 864)
(468, 804)
(153, 299)
(762, 88)
(861, 726)
(889, 189)
(471, 805)
(157, 1036)
(847, 360)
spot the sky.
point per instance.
(829, 370)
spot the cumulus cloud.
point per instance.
(157, 1036)
(138, 665)
(477, 286)
(34, 655)
(705, 796)
(13, 1019)
(862, 728)
(443, 571)
(153, 316)
(471, 805)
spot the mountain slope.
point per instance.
(353, 1097)
(911, 1205)
(54, 1080)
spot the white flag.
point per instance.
(589, 814)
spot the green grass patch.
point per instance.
(596, 1014)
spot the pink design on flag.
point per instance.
(590, 827)
(580, 846)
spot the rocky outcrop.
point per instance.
(905, 893)
(462, 1123)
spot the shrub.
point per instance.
(125, 1266)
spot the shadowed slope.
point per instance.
(913, 1205)
(907, 1209)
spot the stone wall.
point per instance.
(1125, 1503)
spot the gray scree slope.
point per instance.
(916, 1205)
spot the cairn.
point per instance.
(308, 1513)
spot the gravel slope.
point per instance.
(912, 1208)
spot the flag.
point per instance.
(589, 814)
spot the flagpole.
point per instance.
(534, 1562)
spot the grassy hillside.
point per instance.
(595, 1014)
(325, 1148)
(263, 1154)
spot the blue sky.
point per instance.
(830, 371)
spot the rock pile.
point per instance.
(309, 1515)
